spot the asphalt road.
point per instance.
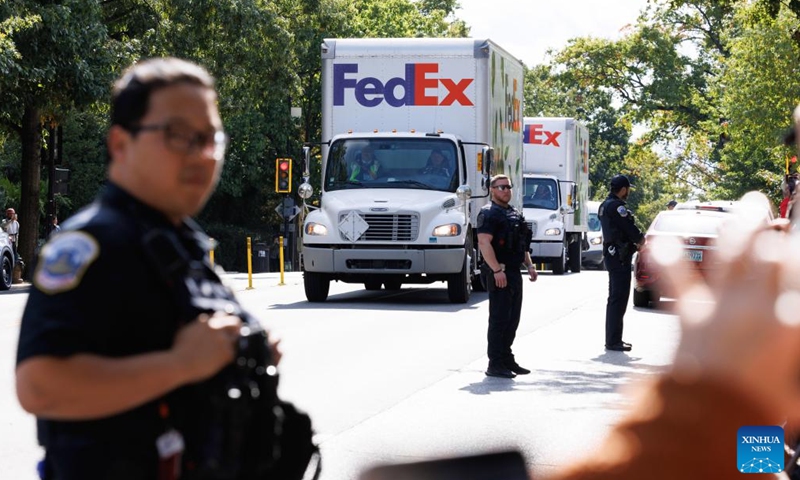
(398, 376)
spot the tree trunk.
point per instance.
(31, 177)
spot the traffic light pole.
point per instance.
(284, 237)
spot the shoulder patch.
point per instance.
(64, 260)
(623, 212)
(479, 221)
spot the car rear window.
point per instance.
(696, 223)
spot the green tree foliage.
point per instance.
(711, 82)
(761, 90)
(53, 57)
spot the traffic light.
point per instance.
(283, 175)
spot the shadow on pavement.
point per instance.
(17, 289)
(560, 381)
(409, 299)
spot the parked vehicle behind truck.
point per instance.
(556, 175)
(593, 256)
(434, 118)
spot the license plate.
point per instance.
(693, 255)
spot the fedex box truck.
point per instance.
(556, 176)
(412, 130)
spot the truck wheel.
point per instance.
(8, 274)
(373, 285)
(641, 298)
(476, 280)
(392, 284)
(560, 264)
(317, 286)
(575, 257)
(458, 285)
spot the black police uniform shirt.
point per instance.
(499, 221)
(95, 291)
(617, 224)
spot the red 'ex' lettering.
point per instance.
(455, 92)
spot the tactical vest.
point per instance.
(235, 426)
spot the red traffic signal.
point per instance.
(283, 175)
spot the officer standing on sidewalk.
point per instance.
(504, 239)
(621, 238)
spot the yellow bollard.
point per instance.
(281, 259)
(249, 265)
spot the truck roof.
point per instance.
(418, 47)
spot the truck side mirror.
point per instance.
(574, 196)
(306, 162)
(487, 154)
(488, 159)
(306, 191)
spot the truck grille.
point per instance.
(532, 226)
(389, 227)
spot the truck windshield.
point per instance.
(540, 193)
(427, 164)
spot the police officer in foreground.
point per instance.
(504, 239)
(621, 238)
(111, 344)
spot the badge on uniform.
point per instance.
(623, 212)
(64, 260)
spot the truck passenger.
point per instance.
(365, 166)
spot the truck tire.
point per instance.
(8, 273)
(373, 285)
(575, 257)
(317, 286)
(641, 298)
(476, 280)
(393, 284)
(560, 264)
(458, 285)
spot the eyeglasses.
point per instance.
(184, 140)
(503, 187)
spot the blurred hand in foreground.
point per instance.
(742, 324)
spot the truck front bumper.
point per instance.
(331, 260)
(546, 249)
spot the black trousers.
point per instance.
(619, 290)
(505, 307)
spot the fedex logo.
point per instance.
(412, 90)
(537, 135)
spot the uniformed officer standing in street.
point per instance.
(504, 239)
(111, 330)
(621, 238)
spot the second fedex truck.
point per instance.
(556, 176)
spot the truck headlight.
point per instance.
(553, 231)
(316, 229)
(596, 240)
(449, 230)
